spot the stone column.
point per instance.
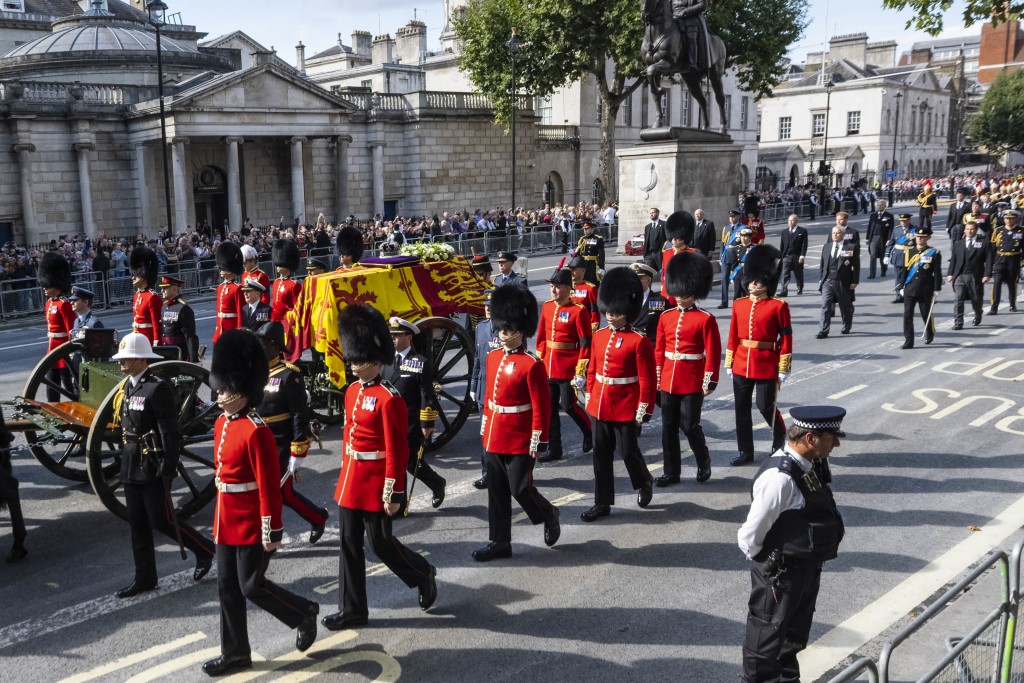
(234, 184)
(142, 186)
(377, 150)
(298, 180)
(341, 177)
(28, 208)
(84, 151)
(181, 189)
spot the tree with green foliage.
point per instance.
(929, 13)
(999, 123)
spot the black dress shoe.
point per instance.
(588, 443)
(17, 554)
(723, 306)
(976, 321)
(340, 620)
(883, 272)
(929, 338)
(316, 532)
(703, 472)
(666, 480)
(958, 326)
(225, 665)
(438, 497)
(871, 277)
(133, 589)
(306, 632)
(799, 292)
(552, 528)
(992, 311)
(845, 330)
(1013, 309)
(203, 565)
(783, 293)
(595, 513)
(480, 484)
(907, 345)
(428, 590)
(821, 335)
(897, 300)
(549, 457)
(493, 551)
(742, 459)
(644, 495)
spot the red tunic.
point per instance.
(286, 295)
(756, 226)
(246, 454)
(147, 315)
(230, 302)
(688, 350)
(60, 319)
(376, 420)
(760, 342)
(621, 379)
(585, 294)
(518, 405)
(263, 279)
(567, 327)
(666, 256)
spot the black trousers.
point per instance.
(508, 477)
(241, 575)
(623, 436)
(10, 497)
(682, 411)
(148, 511)
(922, 304)
(779, 621)
(59, 377)
(304, 507)
(563, 396)
(876, 255)
(792, 266)
(424, 472)
(410, 567)
(901, 278)
(924, 217)
(767, 390)
(726, 285)
(1005, 270)
(834, 292)
(966, 287)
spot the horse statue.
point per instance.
(665, 52)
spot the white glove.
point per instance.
(472, 395)
(728, 371)
(783, 376)
(580, 383)
(600, 272)
(293, 465)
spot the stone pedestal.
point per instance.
(673, 169)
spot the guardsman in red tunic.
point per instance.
(563, 342)
(55, 278)
(247, 521)
(286, 290)
(679, 230)
(688, 354)
(349, 245)
(759, 353)
(514, 427)
(147, 305)
(756, 226)
(583, 292)
(371, 485)
(621, 387)
(254, 272)
(230, 300)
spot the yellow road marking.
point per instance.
(293, 656)
(765, 425)
(908, 368)
(558, 501)
(183, 662)
(962, 346)
(372, 570)
(130, 660)
(390, 669)
(847, 392)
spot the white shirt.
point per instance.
(138, 378)
(774, 493)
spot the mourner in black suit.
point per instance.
(880, 226)
(653, 303)
(840, 274)
(145, 408)
(967, 265)
(412, 376)
(704, 234)
(654, 240)
(793, 247)
(957, 211)
(922, 283)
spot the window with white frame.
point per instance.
(13, 6)
(817, 125)
(785, 127)
(853, 123)
(368, 84)
(744, 112)
(544, 110)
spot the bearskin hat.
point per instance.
(272, 332)
(143, 263)
(239, 366)
(229, 257)
(689, 274)
(365, 337)
(621, 292)
(55, 272)
(680, 225)
(514, 308)
(762, 264)
(285, 253)
(349, 243)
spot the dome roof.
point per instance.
(96, 36)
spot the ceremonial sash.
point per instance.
(916, 261)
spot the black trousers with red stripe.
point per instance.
(148, 510)
(304, 507)
(562, 395)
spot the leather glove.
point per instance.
(783, 376)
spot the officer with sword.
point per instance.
(921, 286)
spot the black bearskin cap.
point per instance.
(229, 257)
(272, 332)
(349, 243)
(239, 365)
(514, 308)
(680, 225)
(55, 272)
(285, 253)
(365, 336)
(143, 263)
(621, 292)
(762, 264)
(689, 274)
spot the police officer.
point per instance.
(880, 226)
(902, 239)
(9, 496)
(247, 525)
(792, 529)
(591, 249)
(81, 301)
(514, 428)
(506, 276)
(254, 272)
(286, 411)
(371, 484)
(920, 286)
(1007, 247)
(178, 320)
(653, 304)
(413, 377)
(255, 314)
(144, 407)
(147, 316)
(486, 341)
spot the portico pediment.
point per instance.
(264, 87)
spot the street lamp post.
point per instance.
(513, 47)
(157, 9)
(895, 138)
(824, 169)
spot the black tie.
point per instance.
(398, 359)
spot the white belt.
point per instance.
(673, 355)
(143, 326)
(495, 408)
(57, 335)
(617, 380)
(365, 455)
(227, 315)
(225, 487)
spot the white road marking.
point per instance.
(998, 330)
(908, 368)
(847, 392)
(130, 660)
(962, 346)
(22, 346)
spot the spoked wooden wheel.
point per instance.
(449, 350)
(326, 401)
(193, 488)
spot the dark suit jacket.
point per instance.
(257, 320)
(880, 230)
(414, 380)
(973, 262)
(794, 248)
(956, 215)
(147, 408)
(654, 243)
(847, 266)
(705, 236)
(647, 322)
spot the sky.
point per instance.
(283, 23)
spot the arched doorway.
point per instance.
(855, 173)
(744, 178)
(209, 187)
(794, 175)
(554, 191)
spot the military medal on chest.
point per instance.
(369, 403)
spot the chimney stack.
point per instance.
(300, 58)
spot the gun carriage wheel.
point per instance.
(449, 349)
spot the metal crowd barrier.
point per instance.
(856, 670)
